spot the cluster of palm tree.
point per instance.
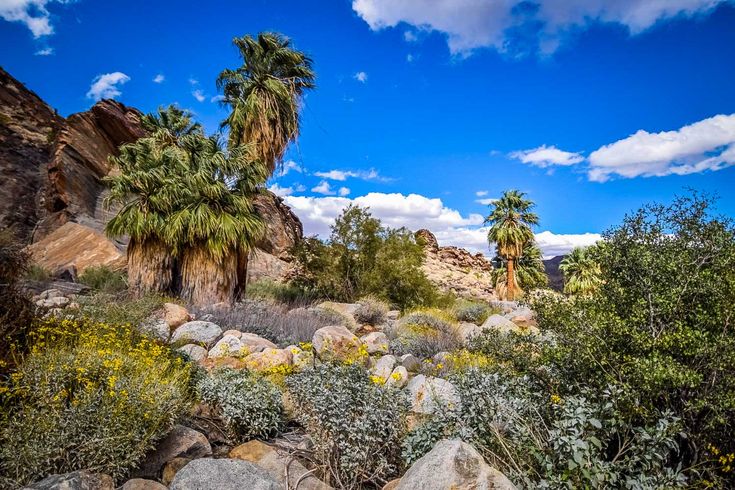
(186, 199)
(520, 264)
(582, 272)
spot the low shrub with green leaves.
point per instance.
(89, 396)
(424, 333)
(249, 404)
(371, 311)
(118, 308)
(356, 425)
(471, 311)
(102, 278)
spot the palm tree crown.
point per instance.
(510, 223)
(582, 273)
(264, 95)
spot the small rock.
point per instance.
(76, 480)
(336, 342)
(180, 442)
(453, 464)
(269, 360)
(384, 367)
(197, 353)
(156, 328)
(141, 484)
(393, 315)
(376, 342)
(234, 333)
(228, 346)
(410, 362)
(53, 302)
(468, 330)
(171, 468)
(429, 394)
(301, 359)
(256, 343)
(398, 378)
(198, 331)
(175, 315)
(391, 485)
(223, 474)
(48, 294)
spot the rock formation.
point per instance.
(456, 270)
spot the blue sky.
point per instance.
(425, 109)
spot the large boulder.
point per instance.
(141, 484)
(276, 463)
(198, 332)
(428, 394)
(76, 480)
(336, 342)
(270, 360)
(503, 325)
(181, 442)
(376, 342)
(197, 353)
(175, 315)
(453, 464)
(223, 474)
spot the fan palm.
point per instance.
(264, 95)
(510, 229)
(582, 273)
(147, 189)
(530, 271)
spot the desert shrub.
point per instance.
(279, 292)
(371, 311)
(119, 308)
(249, 404)
(355, 424)
(516, 352)
(35, 272)
(471, 311)
(102, 278)
(16, 309)
(424, 333)
(89, 395)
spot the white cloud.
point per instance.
(159, 78)
(415, 212)
(486, 201)
(280, 191)
(546, 156)
(199, 95)
(481, 193)
(472, 24)
(290, 165)
(217, 98)
(32, 13)
(343, 175)
(410, 36)
(705, 145)
(106, 86)
(361, 76)
(343, 191)
(323, 188)
(193, 81)
(409, 58)
(44, 52)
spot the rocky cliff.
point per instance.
(456, 270)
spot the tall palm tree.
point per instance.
(582, 273)
(264, 95)
(147, 190)
(530, 271)
(510, 223)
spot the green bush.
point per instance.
(249, 404)
(371, 311)
(120, 308)
(356, 425)
(35, 272)
(278, 292)
(89, 396)
(102, 278)
(471, 311)
(424, 333)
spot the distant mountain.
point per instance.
(556, 280)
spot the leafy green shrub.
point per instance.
(249, 404)
(471, 311)
(102, 278)
(16, 309)
(424, 333)
(371, 311)
(356, 425)
(35, 272)
(89, 395)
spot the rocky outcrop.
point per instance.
(456, 270)
(28, 128)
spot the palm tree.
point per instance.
(147, 190)
(264, 95)
(582, 273)
(510, 229)
(530, 271)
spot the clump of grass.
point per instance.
(472, 311)
(424, 333)
(103, 278)
(118, 308)
(371, 311)
(35, 272)
(279, 292)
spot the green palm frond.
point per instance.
(582, 272)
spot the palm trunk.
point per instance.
(510, 280)
(207, 280)
(242, 272)
(150, 267)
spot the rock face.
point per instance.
(453, 464)
(77, 480)
(181, 442)
(456, 270)
(223, 474)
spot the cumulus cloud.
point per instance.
(105, 86)
(481, 193)
(44, 52)
(217, 98)
(199, 95)
(159, 78)
(502, 24)
(361, 76)
(32, 13)
(547, 156)
(486, 201)
(705, 145)
(323, 188)
(344, 191)
(415, 211)
(342, 175)
(290, 166)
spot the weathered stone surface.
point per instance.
(275, 463)
(468, 330)
(376, 342)
(269, 360)
(197, 332)
(228, 346)
(523, 317)
(336, 342)
(77, 480)
(455, 270)
(503, 325)
(384, 367)
(175, 315)
(196, 352)
(429, 394)
(141, 484)
(347, 310)
(181, 442)
(223, 474)
(171, 468)
(55, 302)
(156, 328)
(283, 227)
(256, 343)
(453, 464)
(410, 362)
(398, 377)
(75, 246)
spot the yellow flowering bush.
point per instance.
(89, 396)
